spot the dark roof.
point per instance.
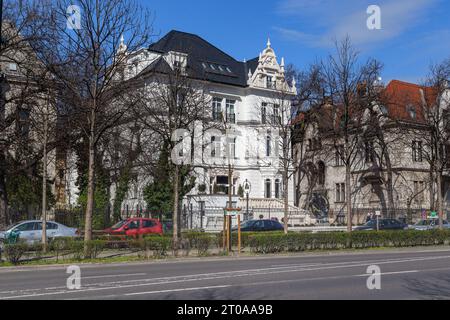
(205, 61)
(252, 64)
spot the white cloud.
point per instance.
(328, 20)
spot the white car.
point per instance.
(31, 231)
(429, 224)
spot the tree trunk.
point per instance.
(286, 201)
(44, 188)
(3, 202)
(389, 185)
(440, 200)
(432, 193)
(227, 218)
(90, 196)
(348, 198)
(175, 219)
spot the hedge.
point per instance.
(260, 243)
(299, 242)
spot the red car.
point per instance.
(135, 227)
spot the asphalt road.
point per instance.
(405, 275)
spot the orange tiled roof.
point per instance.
(403, 99)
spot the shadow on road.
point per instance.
(435, 288)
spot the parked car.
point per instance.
(135, 227)
(429, 224)
(260, 226)
(384, 224)
(31, 231)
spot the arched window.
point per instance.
(268, 189)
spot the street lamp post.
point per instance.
(247, 190)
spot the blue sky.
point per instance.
(414, 34)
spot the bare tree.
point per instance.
(348, 88)
(21, 24)
(434, 111)
(176, 111)
(87, 62)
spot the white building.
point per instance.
(243, 95)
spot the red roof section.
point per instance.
(404, 99)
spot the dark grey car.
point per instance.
(383, 224)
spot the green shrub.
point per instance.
(203, 244)
(14, 252)
(59, 246)
(76, 249)
(158, 245)
(95, 247)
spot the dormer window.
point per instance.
(270, 82)
(178, 61)
(412, 112)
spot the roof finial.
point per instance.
(122, 46)
(268, 43)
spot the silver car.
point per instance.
(31, 231)
(429, 224)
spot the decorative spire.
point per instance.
(249, 73)
(282, 62)
(122, 46)
(268, 43)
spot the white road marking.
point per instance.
(116, 276)
(177, 290)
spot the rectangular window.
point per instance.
(12, 67)
(277, 189)
(268, 189)
(230, 106)
(268, 146)
(339, 156)
(340, 192)
(232, 148)
(417, 151)
(215, 147)
(276, 114)
(270, 82)
(419, 191)
(217, 109)
(369, 152)
(264, 113)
